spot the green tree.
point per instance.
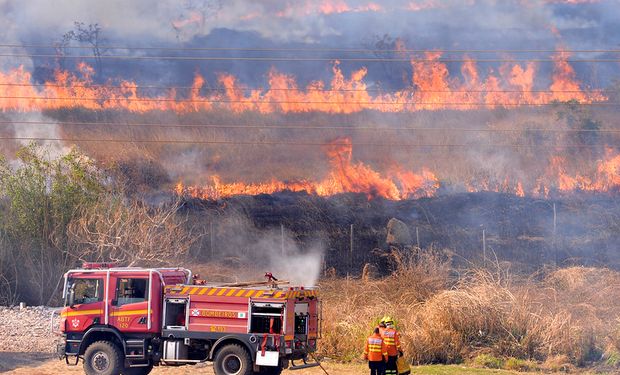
(40, 196)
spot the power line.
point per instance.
(344, 50)
(307, 59)
(306, 127)
(280, 143)
(310, 89)
(333, 103)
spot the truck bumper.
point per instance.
(60, 349)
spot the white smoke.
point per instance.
(35, 127)
(287, 261)
(268, 250)
(450, 22)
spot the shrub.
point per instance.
(516, 364)
(488, 361)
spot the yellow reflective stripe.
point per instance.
(222, 291)
(83, 312)
(240, 293)
(212, 292)
(129, 312)
(203, 291)
(194, 290)
(230, 293)
(184, 290)
(259, 293)
(249, 293)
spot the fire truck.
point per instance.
(121, 320)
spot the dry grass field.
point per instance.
(557, 320)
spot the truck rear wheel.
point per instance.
(233, 359)
(103, 358)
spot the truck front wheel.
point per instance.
(103, 358)
(233, 359)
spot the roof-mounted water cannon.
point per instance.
(271, 279)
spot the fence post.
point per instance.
(351, 250)
(417, 237)
(484, 247)
(211, 239)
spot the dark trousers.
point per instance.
(390, 367)
(376, 367)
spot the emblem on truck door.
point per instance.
(195, 312)
(75, 322)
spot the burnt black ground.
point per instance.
(517, 229)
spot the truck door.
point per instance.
(87, 306)
(130, 304)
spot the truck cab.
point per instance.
(121, 320)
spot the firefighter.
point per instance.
(391, 338)
(381, 325)
(376, 353)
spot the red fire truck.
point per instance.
(126, 320)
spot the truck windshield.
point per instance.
(86, 290)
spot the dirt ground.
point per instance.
(45, 364)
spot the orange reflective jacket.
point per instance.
(391, 338)
(375, 348)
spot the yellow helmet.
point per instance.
(388, 320)
(384, 319)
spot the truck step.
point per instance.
(305, 365)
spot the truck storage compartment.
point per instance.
(175, 313)
(266, 317)
(174, 350)
(301, 318)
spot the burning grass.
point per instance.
(557, 319)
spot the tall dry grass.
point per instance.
(566, 315)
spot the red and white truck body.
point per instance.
(127, 320)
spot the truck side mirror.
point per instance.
(71, 297)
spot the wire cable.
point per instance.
(280, 143)
(306, 59)
(310, 89)
(344, 50)
(332, 103)
(305, 127)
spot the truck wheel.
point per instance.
(232, 359)
(103, 358)
(138, 370)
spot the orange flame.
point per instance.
(345, 176)
(432, 88)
